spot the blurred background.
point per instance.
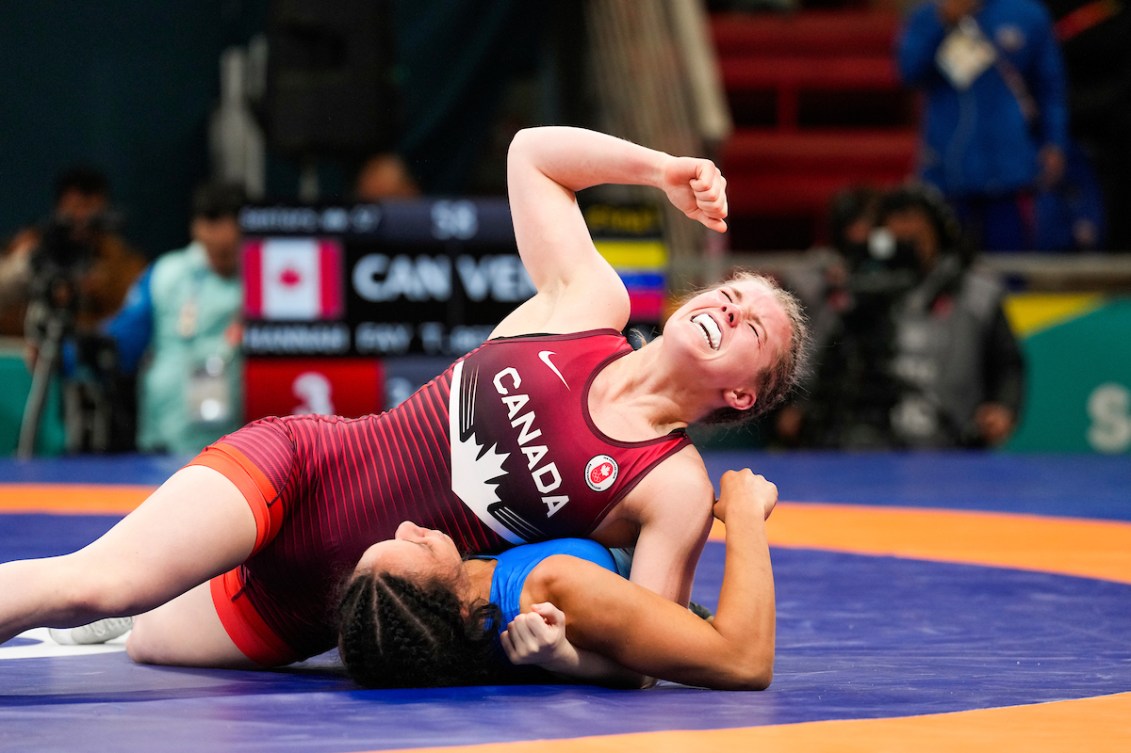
(235, 209)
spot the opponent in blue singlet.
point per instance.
(514, 565)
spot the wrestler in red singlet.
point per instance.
(498, 450)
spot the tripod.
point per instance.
(88, 404)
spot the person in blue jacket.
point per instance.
(995, 120)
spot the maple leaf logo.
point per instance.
(473, 467)
(600, 472)
(478, 467)
(290, 277)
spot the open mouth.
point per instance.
(710, 329)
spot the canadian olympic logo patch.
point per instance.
(600, 472)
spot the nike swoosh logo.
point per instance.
(544, 355)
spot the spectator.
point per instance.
(385, 176)
(995, 123)
(924, 356)
(184, 314)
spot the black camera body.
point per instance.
(63, 257)
(857, 386)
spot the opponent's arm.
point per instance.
(577, 288)
(671, 510)
(537, 638)
(653, 636)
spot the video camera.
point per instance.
(883, 268)
(64, 256)
(857, 386)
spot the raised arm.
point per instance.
(648, 634)
(577, 289)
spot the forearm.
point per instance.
(653, 636)
(580, 664)
(1050, 89)
(576, 158)
(746, 616)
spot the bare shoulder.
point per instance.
(672, 502)
(679, 485)
(597, 301)
(559, 576)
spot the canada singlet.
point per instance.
(498, 450)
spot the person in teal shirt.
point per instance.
(180, 328)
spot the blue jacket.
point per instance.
(978, 141)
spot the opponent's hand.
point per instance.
(536, 637)
(697, 188)
(745, 489)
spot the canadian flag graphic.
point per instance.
(292, 278)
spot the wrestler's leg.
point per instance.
(196, 525)
(187, 632)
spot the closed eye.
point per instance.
(732, 297)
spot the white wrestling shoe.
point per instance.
(100, 631)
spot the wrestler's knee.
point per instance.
(140, 644)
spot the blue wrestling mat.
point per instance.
(862, 635)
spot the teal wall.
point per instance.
(1078, 395)
(16, 381)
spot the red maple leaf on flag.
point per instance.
(290, 277)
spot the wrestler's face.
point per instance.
(413, 553)
(730, 334)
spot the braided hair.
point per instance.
(394, 633)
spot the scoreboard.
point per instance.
(349, 308)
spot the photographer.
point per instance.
(72, 272)
(924, 356)
(84, 230)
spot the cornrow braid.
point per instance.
(395, 633)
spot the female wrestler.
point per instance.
(564, 432)
(414, 614)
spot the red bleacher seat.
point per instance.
(808, 32)
(761, 151)
(815, 71)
